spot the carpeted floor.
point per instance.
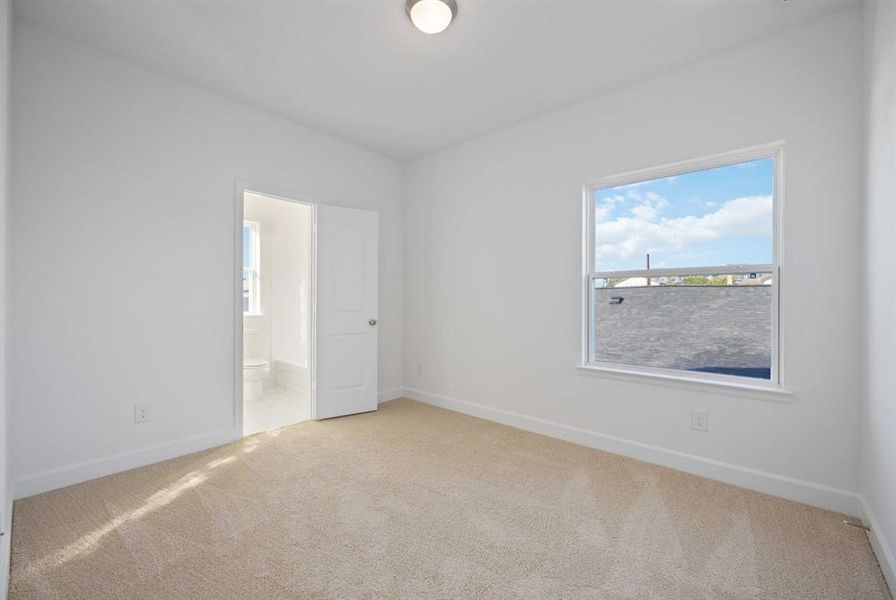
(417, 502)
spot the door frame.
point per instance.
(241, 188)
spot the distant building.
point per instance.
(636, 282)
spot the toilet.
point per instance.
(255, 371)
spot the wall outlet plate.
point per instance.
(699, 420)
(142, 413)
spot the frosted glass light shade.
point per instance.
(431, 16)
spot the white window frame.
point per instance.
(254, 279)
(774, 151)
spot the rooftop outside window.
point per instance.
(682, 271)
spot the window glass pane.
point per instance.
(247, 247)
(714, 217)
(708, 323)
(250, 269)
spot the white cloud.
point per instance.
(605, 208)
(645, 229)
(649, 207)
(645, 212)
(602, 212)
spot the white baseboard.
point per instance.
(387, 395)
(823, 496)
(91, 469)
(71, 474)
(807, 492)
(884, 551)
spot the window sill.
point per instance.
(766, 392)
(245, 314)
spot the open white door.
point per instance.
(346, 357)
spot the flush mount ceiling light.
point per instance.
(431, 16)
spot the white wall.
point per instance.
(879, 424)
(290, 282)
(5, 488)
(493, 266)
(122, 252)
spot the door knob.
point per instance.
(371, 322)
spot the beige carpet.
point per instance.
(416, 502)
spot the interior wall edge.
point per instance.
(886, 558)
(67, 475)
(6, 501)
(798, 490)
(878, 443)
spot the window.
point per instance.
(251, 269)
(681, 269)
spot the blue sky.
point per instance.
(714, 217)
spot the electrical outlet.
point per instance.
(142, 413)
(699, 420)
(419, 370)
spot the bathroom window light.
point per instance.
(251, 269)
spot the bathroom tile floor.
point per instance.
(277, 407)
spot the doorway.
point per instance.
(276, 307)
(305, 312)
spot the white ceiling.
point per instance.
(359, 70)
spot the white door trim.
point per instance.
(240, 190)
